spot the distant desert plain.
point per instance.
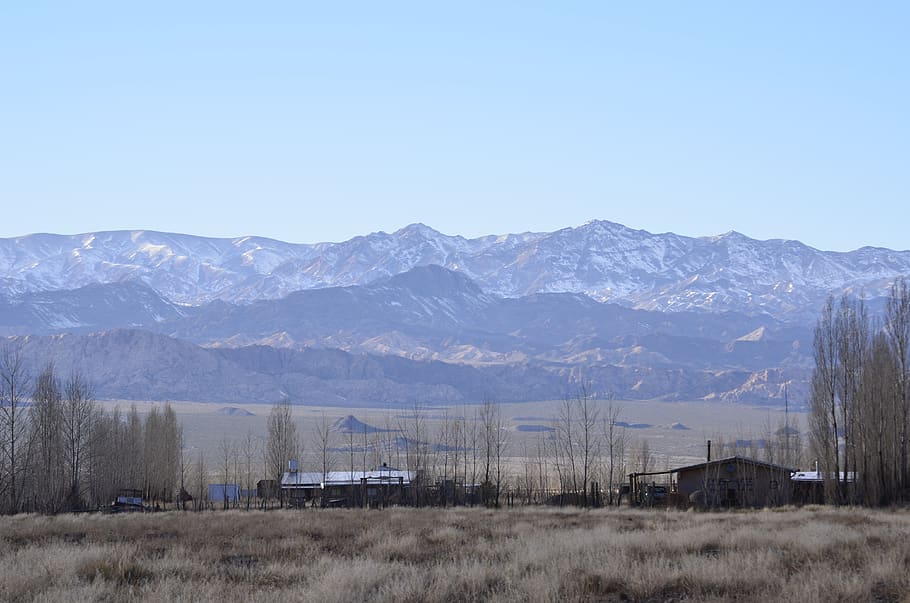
(675, 432)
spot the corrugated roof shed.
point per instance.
(314, 479)
(732, 459)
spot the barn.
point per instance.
(734, 481)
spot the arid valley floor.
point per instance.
(676, 432)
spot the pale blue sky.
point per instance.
(306, 123)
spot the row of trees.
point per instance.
(860, 403)
(469, 457)
(60, 451)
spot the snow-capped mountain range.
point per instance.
(606, 261)
(420, 316)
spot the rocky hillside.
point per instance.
(139, 365)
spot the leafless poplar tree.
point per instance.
(852, 329)
(616, 439)
(879, 433)
(282, 444)
(78, 416)
(589, 418)
(14, 426)
(897, 328)
(566, 436)
(249, 453)
(823, 400)
(134, 450)
(324, 444)
(46, 420)
(495, 442)
(226, 456)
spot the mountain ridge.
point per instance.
(416, 328)
(432, 316)
(139, 365)
(604, 260)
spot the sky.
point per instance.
(311, 122)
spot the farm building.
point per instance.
(809, 486)
(734, 481)
(379, 487)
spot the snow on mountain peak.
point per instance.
(605, 260)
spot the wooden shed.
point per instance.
(734, 481)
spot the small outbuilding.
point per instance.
(809, 486)
(734, 481)
(379, 487)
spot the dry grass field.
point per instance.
(526, 554)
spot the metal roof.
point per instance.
(302, 479)
(819, 476)
(734, 459)
(315, 479)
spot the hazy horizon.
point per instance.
(311, 123)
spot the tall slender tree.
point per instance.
(78, 417)
(897, 327)
(46, 422)
(823, 400)
(282, 444)
(14, 425)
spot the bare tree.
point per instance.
(823, 401)
(13, 425)
(878, 431)
(472, 442)
(644, 456)
(183, 471)
(152, 453)
(487, 418)
(133, 450)
(416, 452)
(350, 434)
(201, 478)
(589, 417)
(566, 436)
(494, 442)
(249, 452)
(897, 327)
(616, 439)
(324, 445)
(103, 458)
(852, 328)
(172, 443)
(543, 470)
(226, 455)
(500, 448)
(445, 433)
(282, 444)
(46, 418)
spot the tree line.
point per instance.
(860, 400)
(468, 456)
(60, 451)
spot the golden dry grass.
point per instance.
(528, 554)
